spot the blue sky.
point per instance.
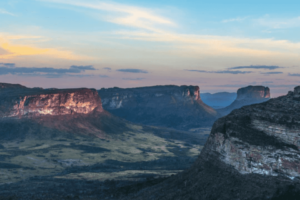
(218, 45)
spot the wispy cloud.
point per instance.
(133, 71)
(150, 26)
(7, 64)
(256, 67)
(73, 71)
(271, 73)
(221, 71)
(4, 12)
(291, 74)
(107, 68)
(133, 79)
(124, 15)
(237, 19)
(278, 23)
(12, 50)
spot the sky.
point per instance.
(218, 45)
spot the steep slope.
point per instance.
(218, 100)
(252, 153)
(247, 96)
(168, 106)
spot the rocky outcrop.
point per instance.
(168, 106)
(297, 93)
(26, 102)
(247, 96)
(253, 92)
(252, 153)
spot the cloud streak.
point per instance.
(221, 72)
(237, 19)
(73, 71)
(271, 73)
(274, 23)
(291, 74)
(4, 12)
(133, 79)
(7, 43)
(133, 71)
(256, 67)
(152, 27)
(124, 15)
(107, 68)
(7, 64)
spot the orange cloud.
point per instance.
(12, 50)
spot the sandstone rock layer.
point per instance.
(26, 102)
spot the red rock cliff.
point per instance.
(36, 102)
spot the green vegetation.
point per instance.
(137, 152)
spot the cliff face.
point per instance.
(169, 106)
(26, 102)
(253, 92)
(261, 139)
(247, 96)
(252, 153)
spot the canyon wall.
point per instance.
(27, 102)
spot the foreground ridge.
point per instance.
(253, 153)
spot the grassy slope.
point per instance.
(92, 147)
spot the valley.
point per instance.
(63, 140)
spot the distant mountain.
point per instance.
(218, 100)
(247, 96)
(178, 107)
(10, 86)
(252, 153)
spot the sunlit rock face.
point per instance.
(247, 96)
(26, 102)
(262, 139)
(170, 106)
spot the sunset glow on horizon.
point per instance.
(127, 43)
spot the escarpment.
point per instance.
(171, 106)
(247, 96)
(252, 153)
(27, 102)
